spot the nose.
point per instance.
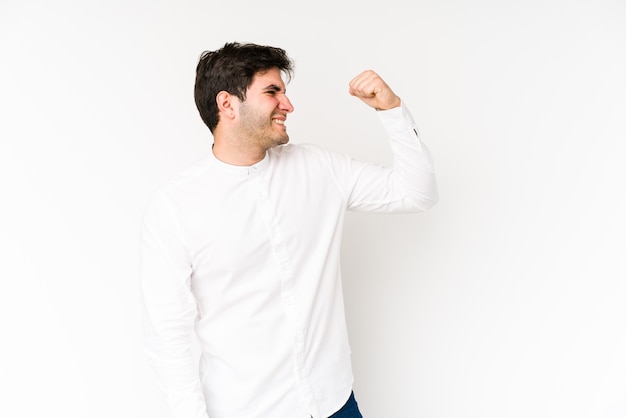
(285, 104)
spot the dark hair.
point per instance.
(231, 69)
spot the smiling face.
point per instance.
(263, 114)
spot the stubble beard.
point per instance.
(261, 130)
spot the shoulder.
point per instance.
(182, 182)
(194, 172)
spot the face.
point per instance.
(262, 116)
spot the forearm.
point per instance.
(409, 185)
(412, 163)
(177, 375)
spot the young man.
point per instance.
(244, 247)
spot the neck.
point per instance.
(240, 156)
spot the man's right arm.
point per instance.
(169, 309)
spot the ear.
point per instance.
(226, 103)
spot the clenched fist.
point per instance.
(373, 91)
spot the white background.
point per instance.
(507, 299)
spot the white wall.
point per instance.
(505, 300)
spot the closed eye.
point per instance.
(272, 90)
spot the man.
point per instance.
(244, 247)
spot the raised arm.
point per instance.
(409, 184)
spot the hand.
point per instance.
(373, 91)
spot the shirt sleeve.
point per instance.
(409, 185)
(169, 309)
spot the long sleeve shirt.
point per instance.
(248, 258)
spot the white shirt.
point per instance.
(250, 258)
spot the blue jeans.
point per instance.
(349, 410)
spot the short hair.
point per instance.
(231, 69)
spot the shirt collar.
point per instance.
(238, 170)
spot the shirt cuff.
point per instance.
(398, 119)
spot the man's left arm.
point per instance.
(409, 184)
